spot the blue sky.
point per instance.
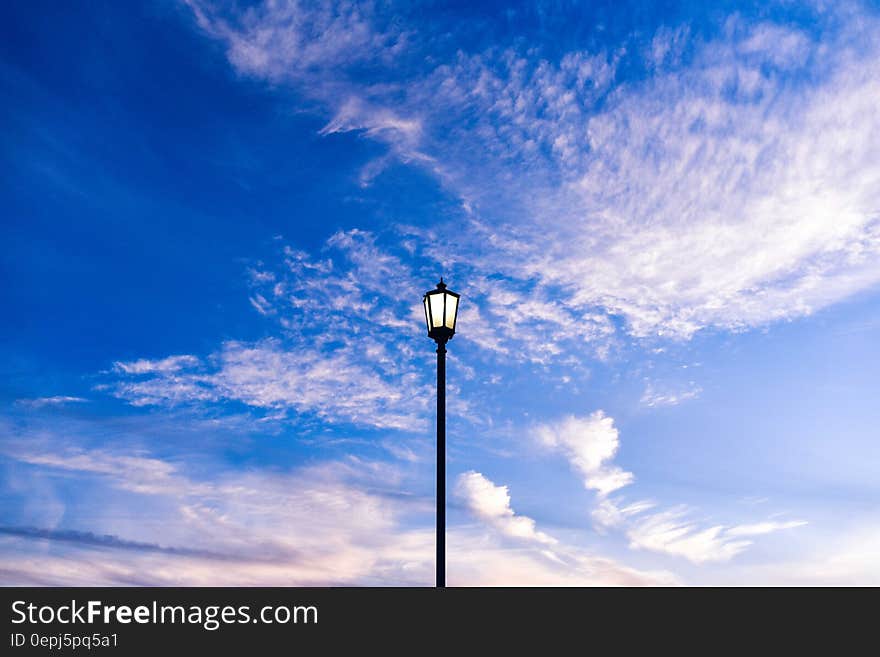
(219, 218)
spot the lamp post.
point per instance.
(441, 310)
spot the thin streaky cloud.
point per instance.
(657, 394)
(56, 400)
(329, 522)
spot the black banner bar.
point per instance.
(134, 621)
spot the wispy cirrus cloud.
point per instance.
(321, 363)
(766, 527)
(337, 521)
(657, 394)
(283, 39)
(348, 322)
(134, 472)
(732, 185)
(671, 533)
(590, 445)
(719, 190)
(161, 366)
(55, 400)
(722, 191)
(725, 194)
(351, 521)
(269, 377)
(692, 178)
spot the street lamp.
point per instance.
(441, 310)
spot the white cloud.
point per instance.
(166, 389)
(734, 185)
(726, 189)
(405, 560)
(835, 555)
(669, 395)
(57, 400)
(692, 209)
(333, 522)
(132, 472)
(344, 522)
(324, 363)
(767, 527)
(500, 312)
(491, 504)
(280, 40)
(671, 533)
(538, 560)
(161, 366)
(476, 559)
(589, 444)
(607, 514)
(336, 386)
(674, 532)
(260, 304)
(718, 193)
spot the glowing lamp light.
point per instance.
(441, 310)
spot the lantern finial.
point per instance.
(441, 285)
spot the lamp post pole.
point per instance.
(441, 464)
(441, 311)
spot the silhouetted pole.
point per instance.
(441, 465)
(441, 313)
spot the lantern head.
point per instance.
(441, 310)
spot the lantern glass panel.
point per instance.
(451, 308)
(436, 309)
